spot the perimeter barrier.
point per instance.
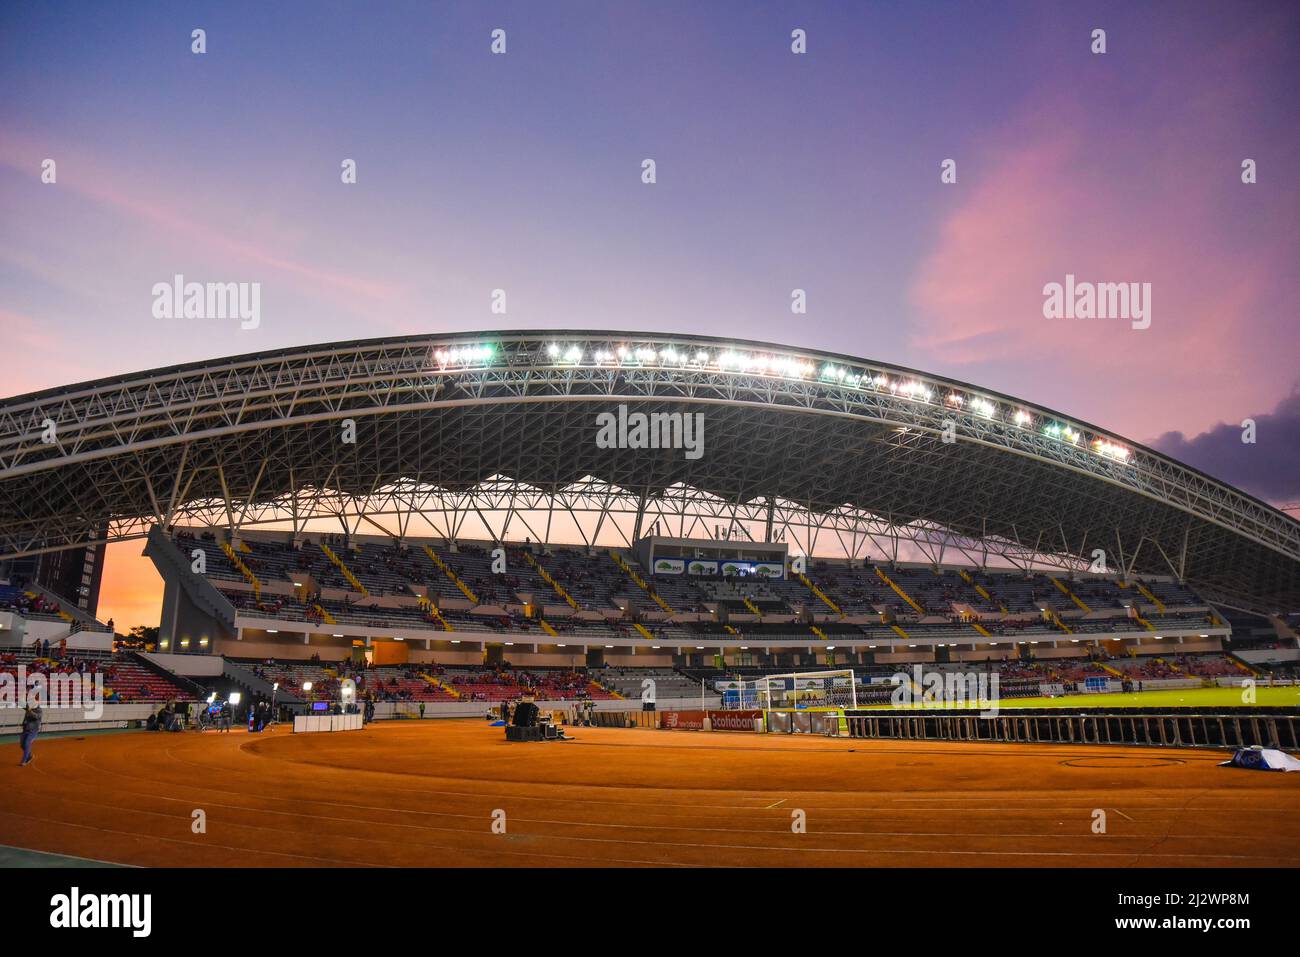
(1252, 727)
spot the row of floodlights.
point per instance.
(790, 368)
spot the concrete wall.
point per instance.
(74, 719)
(192, 666)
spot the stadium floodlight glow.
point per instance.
(1111, 450)
(455, 641)
(553, 350)
(234, 698)
(465, 354)
(917, 391)
(983, 407)
(273, 631)
(337, 636)
(1022, 418)
(212, 697)
(306, 686)
(573, 354)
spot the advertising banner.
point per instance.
(670, 566)
(682, 720)
(712, 567)
(733, 720)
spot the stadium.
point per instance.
(733, 572)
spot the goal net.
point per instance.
(807, 689)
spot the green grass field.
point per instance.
(1178, 698)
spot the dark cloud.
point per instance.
(1269, 469)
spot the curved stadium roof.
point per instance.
(848, 444)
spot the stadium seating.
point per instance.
(125, 680)
(885, 602)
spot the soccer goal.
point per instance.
(807, 689)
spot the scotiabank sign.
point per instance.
(682, 720)
(733, 720)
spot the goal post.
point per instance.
(801, 690)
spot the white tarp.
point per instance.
(1263, 759)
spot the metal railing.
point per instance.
(1242, 730)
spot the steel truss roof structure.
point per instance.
(822, 450)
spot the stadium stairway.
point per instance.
(344, 570)
(818, 593)
(1065, 590)
(198, 589)
(899, 591)
(243, 570)
(639, 581)
(432, 609)
(440, 685)
(1243, 665)
(451, 575)
(256, 686)
(1055, 618)
(1146, 593)
(981, 590)
(546, 577)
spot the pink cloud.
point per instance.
(214, 229)
(1049, 198)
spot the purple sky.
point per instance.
(775, 171)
